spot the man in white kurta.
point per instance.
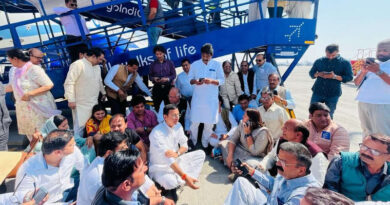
(170, 166)
(82, 86)
(51, 168)
(205, 75)
(92, 175)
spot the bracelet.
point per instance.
(252, 173)
(162, 200)
(178, 153)
(184, 176)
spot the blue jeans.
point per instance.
(331, 102)
(153, 34)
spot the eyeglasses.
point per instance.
(37, 57)
(283, 162)
(177, 116)
(372, 151)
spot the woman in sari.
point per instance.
(97, 125)
(31, 88)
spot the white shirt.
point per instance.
(374, 90)
(187, 119)
(274, 118)
(111, 74)
(55, 179)
(92, 181)
(319, 164)
(220, 127)
(204, 103)
(183, 84)
(164, 138)
(69, 22)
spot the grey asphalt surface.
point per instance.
(214, 185)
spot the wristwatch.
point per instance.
(379, 72)
(334, 77)
(248, 135)
(145, 129)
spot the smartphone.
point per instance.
(370, 60)
(201, 79)
(238, 164)
(40, 195)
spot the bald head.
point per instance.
(36, 56)
(293, 122)
(383, 50)
(174, 96)
(295, 131)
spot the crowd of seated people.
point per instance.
(146, 156)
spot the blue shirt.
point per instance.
(238, 112)
(261, 75)
(183, 84)
(330, 87)
(285, 191)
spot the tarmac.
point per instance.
(213, 181)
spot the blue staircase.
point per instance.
(279, 37)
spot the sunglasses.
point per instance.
(73, 5)
(258, 60)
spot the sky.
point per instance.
(352, 24)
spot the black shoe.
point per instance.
(208, 149)
(170, 194)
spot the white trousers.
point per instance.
(76, 128)
(207, 131)
(244, 193)
(191, 163)
(374, 118)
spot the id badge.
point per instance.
(325, 135)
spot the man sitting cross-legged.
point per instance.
(52, 168)
(289, 186)
(92, 177)
(118, 124)
(363, 175)
(295, 131)
(123, 175)
(169, 166)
